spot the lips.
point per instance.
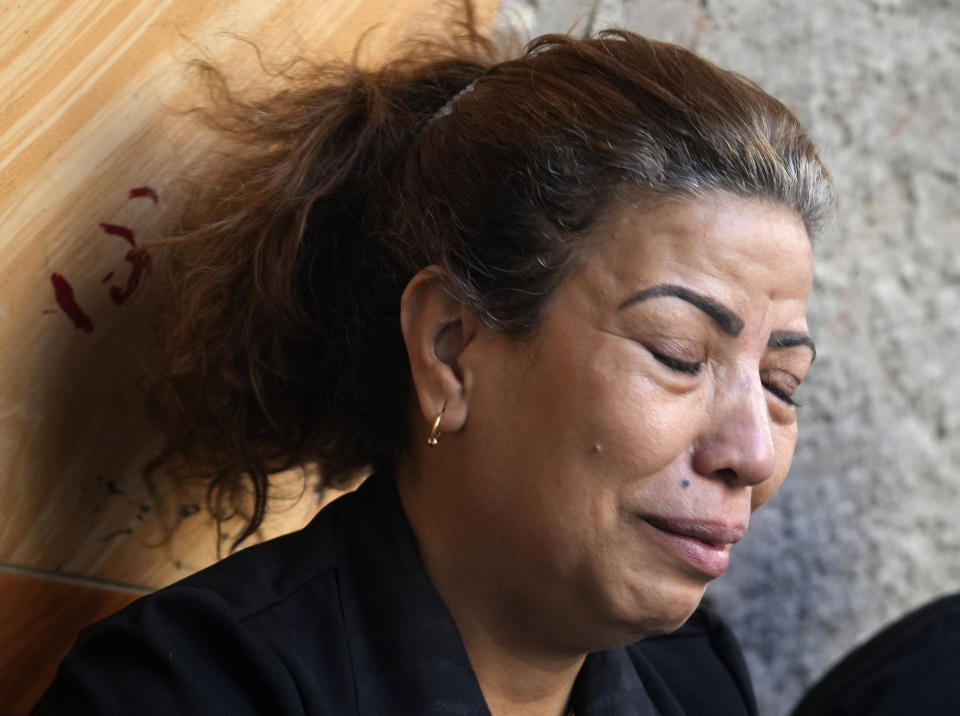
(700, 545)
(717, 534)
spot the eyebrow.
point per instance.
(788, 339)
(728, 321)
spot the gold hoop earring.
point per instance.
(434, 438)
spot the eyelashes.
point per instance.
(782, 394)
(693, 368)
(678, 365)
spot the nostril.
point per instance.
(728, 474)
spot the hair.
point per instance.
(284, 347)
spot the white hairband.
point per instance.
(448, 107)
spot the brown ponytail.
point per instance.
(285, 349)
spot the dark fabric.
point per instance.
(340, 618)
(910, 668)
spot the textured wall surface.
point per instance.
(868, 524)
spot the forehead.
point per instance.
(743, 252)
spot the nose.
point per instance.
(737, 444)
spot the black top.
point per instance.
(909, 668)
(340, 618)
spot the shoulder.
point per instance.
(698, 668)
(238, 637)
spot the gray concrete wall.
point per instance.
(868, 524)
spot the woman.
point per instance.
(557, 305)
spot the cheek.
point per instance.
(651, 429)
(642, 429)
(638, 418)
(591, 421)
(762, 493)
(785, 444)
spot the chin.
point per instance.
(670, 623)
(657, 617)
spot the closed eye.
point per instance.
(781, 394)
(680, 366)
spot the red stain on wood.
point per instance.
(138, 259)
(144, 191)
(64, 293)
(121, 231)
(140, 263)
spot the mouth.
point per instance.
(715, 534)
(699, 544)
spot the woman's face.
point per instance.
(610, 463)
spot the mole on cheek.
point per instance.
(685, 484)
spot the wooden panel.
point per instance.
(88, 156)
(40, 618)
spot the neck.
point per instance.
(518, 683)
(515, 674)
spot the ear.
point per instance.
(436, 328)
